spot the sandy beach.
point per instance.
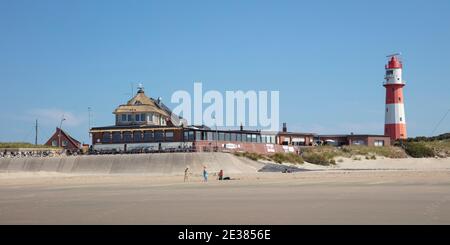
(382, 191)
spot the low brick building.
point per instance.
(294, 138)
(353, 139)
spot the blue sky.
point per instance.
(325, 57)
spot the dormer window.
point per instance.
(138, 102)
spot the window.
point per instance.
(159, 135)
(143, 117)
(238, 137)
(65, 143)
(137, 117)
(263, 139)
(54, 143)
(387, 109)
(106, 137)
(399, 99)
(378, 143)
(148, 136)
(358, 142)
(116, 137)
(137, 136)
(169, 135)
(249, 138)
(127, 137)
(208, 136)
(130, 118)
(233, 136)
(124, 117)
(189, 135)
(198, 135)
(227, 137)
(221, 136)
(401, 119)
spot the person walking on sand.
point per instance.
(186, 174)
(205, 174)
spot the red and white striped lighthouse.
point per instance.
(395, 123)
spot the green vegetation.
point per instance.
(286, 157)
(420, 146)
(277, 157)
(386, 151)
(250, 155)
(418, 149)
(441, 148)
(319, 158)
(445, 136)
(21, 145)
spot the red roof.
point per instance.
(394, 63)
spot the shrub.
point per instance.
(386, 151)
(316, 158)
(418, 150)
(250, 155)
(286, 157)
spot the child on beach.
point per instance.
(186, 174)
(205, 174)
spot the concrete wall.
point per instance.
(157, 164)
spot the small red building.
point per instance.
(62, 139)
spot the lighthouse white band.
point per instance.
(395, 113)
(395, 78)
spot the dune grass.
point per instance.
(21, 145)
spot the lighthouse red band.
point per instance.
(395, 122)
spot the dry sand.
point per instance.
(382, 191)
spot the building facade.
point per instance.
(144, 124)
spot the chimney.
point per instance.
(241, 127)
(284, 128)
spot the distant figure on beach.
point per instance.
(205, 174)
(221, 174)
(186, 174)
